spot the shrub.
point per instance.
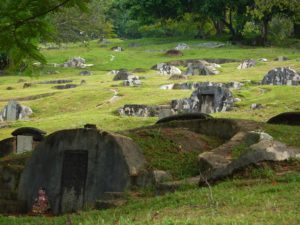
(281, 28)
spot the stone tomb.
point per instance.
(206, 99)
(78, 167)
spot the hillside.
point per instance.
(88, 103)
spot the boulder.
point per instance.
(182, 46)
(76, 62)
(281, 76)
(247, 64)
(132, 81)
(201, 67)
(167, 69)
(255, 106)
(123, 75)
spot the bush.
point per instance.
(281, 28)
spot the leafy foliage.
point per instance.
(23, 25)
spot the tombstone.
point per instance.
(205, 99)
(11, 111)
(27, 138)
(122, 75)
(77, 167)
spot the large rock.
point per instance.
(123, 75)
(14, 111)
(247, 64)
(132, 81)
(201, 67)
(282, 76)
(205, 99)
(219, 163)
(167, 69)
(76, 62)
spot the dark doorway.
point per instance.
(73, 180)
(207, 103)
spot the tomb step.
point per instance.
(11, 207)
(6, 194)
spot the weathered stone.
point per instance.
(123, 75)
(167, 69)
(182, 46)
(141, 110)
(255, 106)
(14, 111)
(247, 64)
(287, 118)
(282, 76)
(201, 68)
(205, 99)
(132, 81)
(263, 60)
(76, 167)
(76, 62)
(117, 49)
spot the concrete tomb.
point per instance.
(78, 167)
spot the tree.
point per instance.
(23, 25)
(264, 10)
(73, 25)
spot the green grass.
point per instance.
(76, 107)
(240, 202)
(262, 202)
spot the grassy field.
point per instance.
(76, 107)
(233, 202)
(259, 200)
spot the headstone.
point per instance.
(11, 111)
(24, 143)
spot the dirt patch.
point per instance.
(174, 52)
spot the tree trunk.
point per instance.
(265, 31)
